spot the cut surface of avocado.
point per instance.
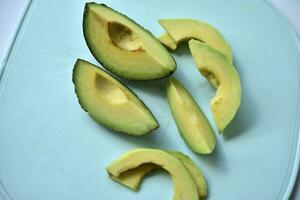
(227, 99)
(185, 29)
(184, 186)
(109, 102)
(132, 178)
(190, 120)
(168, 41)
(124, 47)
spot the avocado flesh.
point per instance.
(132, 178)
(190, 120)
(168, 41)
(109, 102)
(184, 186)
(124, 47)
(227, 99)
(185, 29)
(194, 172)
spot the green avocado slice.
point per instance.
(179, 30)
(190, 120)
(124, 47)
(109, 102)
(132, 178)
(194, 171)
(213, 63)
(184, 185)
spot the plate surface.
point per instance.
(51, 149)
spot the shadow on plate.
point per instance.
(214, 160)
(183, 50)
(155, 88)
(149, 140)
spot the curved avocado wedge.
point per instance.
(124, 47)
(109, 102)
(190, 120)
(185, 29)
(132, 178)
(212, 62)
(184, 186)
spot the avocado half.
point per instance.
(184, 185)
(213, 63)
(191, 122)
(124, 47)
(109, 102)
(132, 178)
(179, 30)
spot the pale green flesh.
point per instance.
(109, 102)
(124, 47)
(185, 29)
(132, 178)
(194, 171)
(184, 185)
(190, 120)
(227, 100)
(168, 41)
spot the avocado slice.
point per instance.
(132, 178)
(109, 102)
(212, 62)
(124, 47)
(190, 120)
(194, 172)
(168, 41)
(184, 186)
(185, 29)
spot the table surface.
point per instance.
(11, 11)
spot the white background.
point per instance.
(11, 11)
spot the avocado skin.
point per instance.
(82, 106)
(105, 65)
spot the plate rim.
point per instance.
(296, 165)
(3, 191)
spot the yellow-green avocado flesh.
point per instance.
(132, 178)
(213, 63)
(124, 47)
(168, 41)
(190, 120)
(184, 185)
(109, 102)
(179, 30)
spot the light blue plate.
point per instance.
(51, 149)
